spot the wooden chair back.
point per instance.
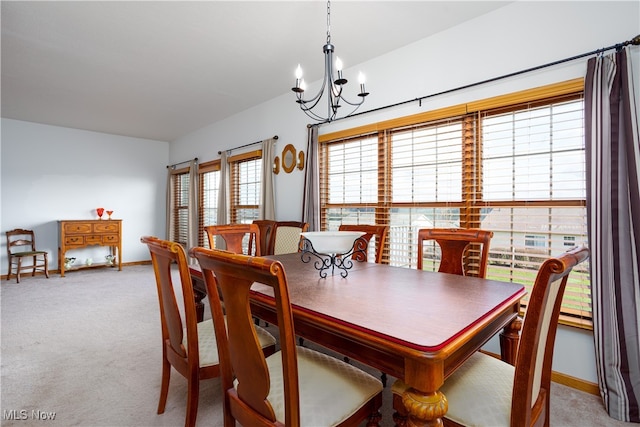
(240, 355)
(454, 245)
(21, 243)
(236, 237)
(266, 227)
(380, 231)
(285, 237)
(532, 378)
(184, 359)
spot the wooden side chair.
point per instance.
(380, 231)
(266, 227)
(285, 237)
(454, 245)
(295, 386)
(237, 237)
(21, 244)
(486, 391)
(187, 346)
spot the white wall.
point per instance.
(518, 36)
(51, 173)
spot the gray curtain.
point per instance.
(223, 198)
(267, 195)
(169, 212)
(613, 205)
(192, 215)
(311, 199)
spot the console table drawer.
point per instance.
(106, 227)
(74, 241)
(110, 239)
(81, 228)
(93, 239)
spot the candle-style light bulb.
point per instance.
(340, 80)
(299, 88)
(303, 85)
(361, 80)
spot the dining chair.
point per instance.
(296, 386)
(285, 237)
(266, 227)
(187, 346)
(21, 244)
(239, 238)
(456, 250)
(486, 391)
(379, 231)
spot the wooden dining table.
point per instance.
(418, 326)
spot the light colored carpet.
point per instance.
(87, 348)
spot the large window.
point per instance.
(246, 173)
(514, 165)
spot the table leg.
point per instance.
(198, 296)
(509, 341)
(424, 409)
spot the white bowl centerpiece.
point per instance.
(332, 242)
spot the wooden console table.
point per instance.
(75, 234)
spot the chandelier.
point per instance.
(332, 86)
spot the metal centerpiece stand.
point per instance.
(333, 250)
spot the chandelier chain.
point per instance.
(328, 22)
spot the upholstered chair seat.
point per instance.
(322, 378)
(479, 392)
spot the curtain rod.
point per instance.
(634, 41)
(179, 163)
(246, 145)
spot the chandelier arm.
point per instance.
(315, 99)
(353, 104)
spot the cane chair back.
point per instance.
(285, 237)
(293, 387)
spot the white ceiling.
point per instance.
(161, 69)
